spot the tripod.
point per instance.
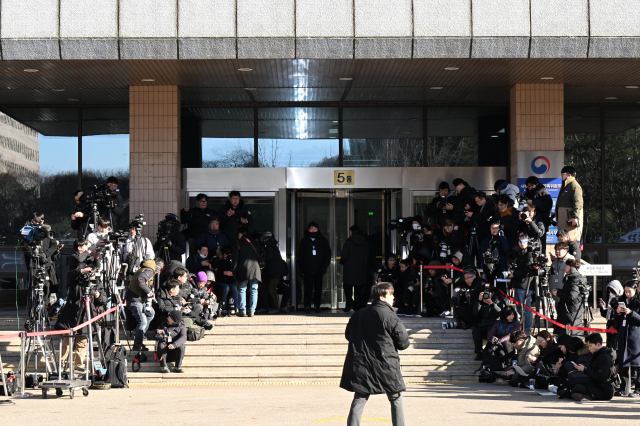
(544, 301)
(86, 311)
(474, 246)
(587, 315)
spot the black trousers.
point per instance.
(172, 355)
(312, 290)
(597, 392)
(479, 332)
(356, 296)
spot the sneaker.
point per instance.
(207, 325)
(240, 314)
(580, 397)
(177, 370)
(284, 310)
(262, 311)
(501, 382)
(250, 314)
(164, 369)
(273, 311)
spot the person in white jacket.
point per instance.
(136, 250)
(503, 187)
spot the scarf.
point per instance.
(211, 231)
(506, 212)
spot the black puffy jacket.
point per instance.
(311, 264)
(197, 220)
(355, 260)
(372, 365)
(628, 337)
(276, 266)
(230, 224)
(570, 307)
(542, 200)
(523, 275)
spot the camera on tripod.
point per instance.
(32, 235)
(97, 193)
(404, 225)
(138, 222)
(170, 223)
(118, 238)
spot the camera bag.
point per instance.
(195, 333)
(117, 374)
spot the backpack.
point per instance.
(115, 352)
(195, 333)
(117, 374)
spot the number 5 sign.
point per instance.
(344, 177)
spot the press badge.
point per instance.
(624, 322)
(314, 252)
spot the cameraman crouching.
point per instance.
(172, 335)
(486, 309)
(570, 306)
(139, 290)
(465, 298)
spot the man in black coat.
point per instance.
(314, 257)
(246, 269)
(197, 219)
(354, 259)
(233, 215)
(275, 268)
(466, 196)
(172, 245)
(600, 371)
(570, 307)
(372, 365)
(538, 196)
(437, 208)
(522, 281)
(486, 308)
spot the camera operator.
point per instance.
(495, 249)
(486, 310)
(502, 187)
(509, 221)
(408, 281)
(558, 262)
(573, 246)
(628, 353)
(570, 306)
(533, 226)
(189, 305)
(81, 215)
(140, 289)
(172, 335)
(233, 215)
(456, 277)
(171, 243)
(522, 280)
(450, 238)
(197, 219)
(569, 211)
(538, 196)
(436, 296)
(167, 300)
(482, 214)
(115, 202)
(441, 207)
(137, 248)
(521, 346)
(205, 296)
(503, 327)
(465, 297)
(466, 197)
(100, 236)
(614, 290)
(82, 265)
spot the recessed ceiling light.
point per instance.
(611, 98)
(452, 68)
(435, 88)
(58, 90)
(73, 100)
(249, 88)
(245, 69)
(335, 121)
(631, 87)
(494, 136)
(31, 70)
(546, 78)
(148, 79)
(346, 78)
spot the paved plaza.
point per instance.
(296, 405)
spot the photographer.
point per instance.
(628, 338)
(199, 261)
(113, 202)
(82, 265)
(573, 246)
(435, 293)
(233, 215)
(522, 280)
(531, 225)
(466, 297)
(168, 300)
(451, 240)
(137, 248)
(614, 290)
(538, 196)
(139, 290)
(81, 215)
(569, 211)
(100, 236)
(455, 277)
(197, 219)
(408, 281)
(172, 335)
(524, 346)
(509, 220)
(486, 310)
(558, 262)
(548, 355)
(190, 306)
(503, 327)
(483, 215)
(495, 249)
(213, 237)
(170, 244)
(205, 297)
(502, 187)
(390, 273)
(570, 306)
(441, 207)
(466, 197)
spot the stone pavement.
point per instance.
(297, 405)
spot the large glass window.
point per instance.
(622, 174)
(298, 137)
(105, 152)
(582, 148)
(383, 136)
(466, 137)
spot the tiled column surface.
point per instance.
(537, 120)
(155, 173)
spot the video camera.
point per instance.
(386, 276)
(404, 225)
(138, 222)
(98, 193)
(170, 223)
(118, 238)
(32, 235)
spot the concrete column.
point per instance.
(537, 120)
(154, 145)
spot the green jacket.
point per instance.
(570, 196)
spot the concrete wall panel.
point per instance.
(383, 18)
(327, 18)
(383, 48)
(553, 18)
(29, 19)
(500, 47)
(148, 18)
(454, 47)
(89, 48)
(442, 18)
(614, 18)
(500, 18)
(266, 48)
(559, 47)
(30, 49)
(148, 48)
(324, 48)
(266, 18)
(206, 18)
(88, 18)
(207, 48)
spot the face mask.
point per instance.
(524, 241)
(416, 226)
(313, 234)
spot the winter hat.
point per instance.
(211, 276)
(176, 316)
(434, 263)
(563, 340)
(312, 223)
(569, 170)
(201, 277)
(458, 256)
(616, 287)
(214, 217)
(444, 185)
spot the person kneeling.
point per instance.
(600, 371)
(171, 335)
